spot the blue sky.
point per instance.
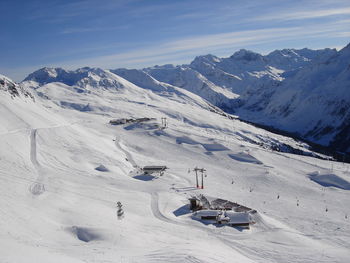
(136, 34)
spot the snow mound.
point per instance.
(244, 157)
(85, 234)
(102, 168)
(185, 140)
(330, 180)
(214, 147)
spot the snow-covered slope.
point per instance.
(314, 101)
(98, 81)
(191, 80)
(221, 80)
(246, 69)
(238, 72)
(291, 59)
(277, 90)
(58, 206)
(12, 88)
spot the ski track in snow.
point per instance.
(128, 155)
(38, 187)
(156, 211)
(14, 131)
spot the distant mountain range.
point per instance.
(301, 91)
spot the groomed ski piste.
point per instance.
(57, 207)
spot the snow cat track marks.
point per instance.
(38, 187)
(165, 256)
(33, 148)
(128, 155)
(156, 212)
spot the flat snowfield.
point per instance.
(63, 168)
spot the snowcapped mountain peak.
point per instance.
(209, 59)
(247, 55)
(346, 49)
(51, 72)
(45, 75)
(140, 78)
(89, 70)
(164, 67)
(288, 53)
(85, 77)
(291, 59)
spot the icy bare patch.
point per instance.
(329, 180)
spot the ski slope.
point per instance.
(56, 207)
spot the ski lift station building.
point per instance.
(154, 169)
(220, 211)
(230, 218)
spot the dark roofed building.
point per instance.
(154, 169)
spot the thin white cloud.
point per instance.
(172, 50)
(298, 15)
(74, 30)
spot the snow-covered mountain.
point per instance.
(191, 80)
(313, 101)
(290, 59)
(96, 90)
(96, 80)
(263, 89)
(89, 78)
(238, 73)
(58, 205)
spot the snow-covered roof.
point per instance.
(201, 213)
(236, 217)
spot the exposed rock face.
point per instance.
(13, 89)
